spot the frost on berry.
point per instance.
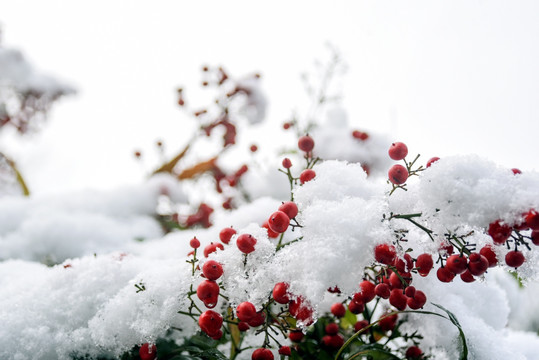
(385, 253)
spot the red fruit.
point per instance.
(516, 171)
(148, 352)
(306, 143)
(212, 270)
(499, 232)
(487, 252)
(410, 291)
(388, 323)
(360, 135)
(280, 293)
(262, 354)
(334, 290)
(289, 208)
(413, 353)
(446, 249)
(356, 307)
(194, 243)
(246, 243)
(208, 293)
(332, 329)
(285, 350)
(360, 325)
(217, 335)
(424, 264)
(295, 336)
(444, 275)
(287, 164)
(212, 247)
(286, 126)
(432, 161)
(398, 151)
(338, 310)
(226, 234)
(398, 299)
(467, 277)
(535, 237)
(271, 234)
(385, 253)
(477, 264)
(457, 264)
(301, 310)
(382, 290)
(253, 148)
(243, 326)
(395, 281)
(532, 219)
(245, 311)
(367, 291)
(333, 341)
(405, 264)
(417, 301)
(397, 174)
(258, 319)
(306, 175)
(278, 222)
(210, 322)
(514, 259)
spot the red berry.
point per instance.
(289, 208)
(262, 354)
(487, 252)
(413, 353)
(360, 325)
(286, 125)
(333, 341)
(424, 264)
(382, 290)
(226, 234)
(210, 322)
(445, 249)
(532, 219)
(367, 291)
(285, 350)
(258, 319)
(148, 352)
(295, 336)
(477, 264)
(243, 326)
(388, 323)
(306, 175)
(245, 311)
(395, 281)
(253, 148)
(301, 310)
(457, 264)
(499, 232)
(467, 277)
(211, 248)
(287, 164)
(356, 307)
(516, 171)
(194, 243)
(217, 335)
(208, 293)
(410, 291)
(338, 310)
(360, 135)
(280, 293)
(535, 237)
(332, 329)
(514, 259)
(271, 234)
(398, 151)
(444, 275)
(432, 161)
(306, 143)
(246, 243)
(417, 301)
(385, 253)
(397, 174)
(398, 299)
(278, 222)
(405, 264)
(212, 270)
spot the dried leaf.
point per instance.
(198, 169)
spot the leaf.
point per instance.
(235, 335)
(169, 166)
(377, 353)
(198, 169)
(454, 320)
(348, 320)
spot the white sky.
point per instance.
(445, 77)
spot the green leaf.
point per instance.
(374, 354)
(454, 320)
(348, 320)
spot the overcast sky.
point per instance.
(445, 77)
